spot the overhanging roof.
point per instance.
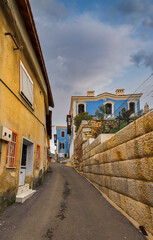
(26, 14)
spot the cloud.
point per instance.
(86, 52)
(148, 22)
(143, 58)
(81, 53)
(49, 9)
(130, 7)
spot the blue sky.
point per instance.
(94, 45)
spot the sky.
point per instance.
(96, 45)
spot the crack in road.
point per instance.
(62, 211)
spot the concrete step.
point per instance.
(22, 197)
(23, 188)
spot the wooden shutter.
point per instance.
(26, 84)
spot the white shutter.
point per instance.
(26, 83)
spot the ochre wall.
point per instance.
(122, 168)
(15, 113)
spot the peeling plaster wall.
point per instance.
(15, 113)
(122, 168)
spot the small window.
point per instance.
(132, 107)
(62, 145)
(81, 108)
(26, 84)
(37, 156)
(108, 108)
(11, 152)
(62, 133)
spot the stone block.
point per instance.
(104, 157)
(150, 166)
(132, 189)
(144, 168)
(139, 212)
(126, 134)
(108, 169)
(128, 169)
(108, 180)
(151, 210)
(145, 192)
(145, 145)
(148, 122)
(132, 149)
(102, 169)
(97, 157)
(119, 185)
(92, 152)
(111, 142)
(116, 169)
(123, 202)
(115, 197)
(96, 178)
(140, 129)
(95, 169)
(102, 180)
(105, 190)
(98, 149)
(86, 169)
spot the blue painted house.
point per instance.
(114, 103)
(62, 142)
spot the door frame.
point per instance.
(30, 143)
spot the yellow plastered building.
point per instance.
(25, 102)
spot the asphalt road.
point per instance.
(65, 207)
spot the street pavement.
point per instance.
(65, 207)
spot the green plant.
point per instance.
(100, 112)
(79, 117)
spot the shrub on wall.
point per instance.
(79, 117)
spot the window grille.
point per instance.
(37, 156)
(26, 84)
(11, 152)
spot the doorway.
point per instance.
(27, 156)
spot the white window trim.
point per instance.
(110, 102)
(85, 104)
(133, 101)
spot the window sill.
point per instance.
(26, 100)
(11, 167)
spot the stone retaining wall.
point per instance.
(122, 168)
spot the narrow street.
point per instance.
(65, 207)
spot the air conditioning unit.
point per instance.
(5, 134)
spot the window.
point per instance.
(80, 108)
(11, 152)
(37, 156)
(132, 107)
(108, 108)
(62, 145)
(62, 133)
(26, 84)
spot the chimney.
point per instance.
(120, 92)
(90, 93)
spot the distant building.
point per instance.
(61, 140)
(90, 103)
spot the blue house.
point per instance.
(114, 103)
(62, 142)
